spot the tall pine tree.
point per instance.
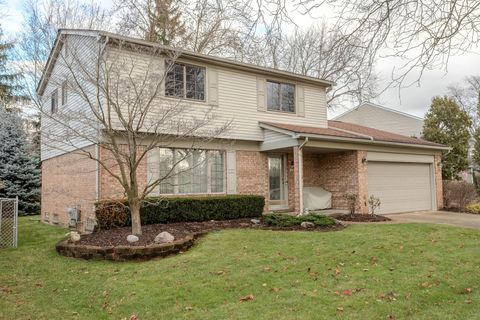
(19, 168)
(448, 124)
(8, 79)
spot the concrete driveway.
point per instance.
(464, 220)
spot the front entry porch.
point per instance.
(293, 170)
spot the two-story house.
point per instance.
(279, 143)
(383, 118)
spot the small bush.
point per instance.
(458, 194)
(112, 214)
(352, 201)
(285, 220)
(374, 203)
(473, 208)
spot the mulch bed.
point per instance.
(357, 217)
(118, 236)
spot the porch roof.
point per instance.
(349, 131)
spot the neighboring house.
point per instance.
(274, 149)
(383, 118)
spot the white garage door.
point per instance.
(401, 187)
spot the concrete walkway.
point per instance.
(464, 220)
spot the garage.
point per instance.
(401, 186)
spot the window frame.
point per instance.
(54, 97)
(209, 165)
(280, 96)
(170, 67)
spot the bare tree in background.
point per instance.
(121, 90)
(315, 52)
(419, 34)
(43, 18)
(153, 20)
(467, 94)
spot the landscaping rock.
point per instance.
(132, 238)
(307, 224)
(255, 221)
(164, 237)
(74, 236)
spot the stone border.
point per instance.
(126, 253)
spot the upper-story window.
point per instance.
(54, 101)
(185, 81)
(280, 96)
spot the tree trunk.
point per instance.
(135, 214)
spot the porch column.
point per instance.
(362, 181)
(298, 179)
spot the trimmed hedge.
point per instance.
(112, 214)
(285, 220)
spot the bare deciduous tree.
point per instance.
(43, 18)
(316, 52)
(124, 112)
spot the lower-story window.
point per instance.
(186, 171)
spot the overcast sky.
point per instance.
(414, 100)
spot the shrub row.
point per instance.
(284, 220)
(112, 214)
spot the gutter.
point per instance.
(374, 142)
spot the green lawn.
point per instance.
(406, 271)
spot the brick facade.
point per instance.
(252, 173)
(68, 181)
(110, 187)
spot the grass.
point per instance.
(405, 271)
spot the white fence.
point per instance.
(8, 222)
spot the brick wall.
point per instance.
(252, 173)
(110, 187)
(68, 181)
(336, 172)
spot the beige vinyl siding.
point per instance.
(379, 118)
(237, 94)
(55, 138)
(401, 187)
(238, 99)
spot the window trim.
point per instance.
(169, 67)
(209, 175)
(54, 109)
(281, 83)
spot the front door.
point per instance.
(277, 182)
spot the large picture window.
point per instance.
(185, 81)
(280, 96)
(191, 171)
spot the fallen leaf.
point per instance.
(7, 290)
(340, 309)
(426, 284)
(468, 301)
(347, 292)
(249, 297)
(467, 290)
(188, 308)
(133, 317)
(337, 271)
(220, 272)
(391, 317)
(274, 289)
(264, 284)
